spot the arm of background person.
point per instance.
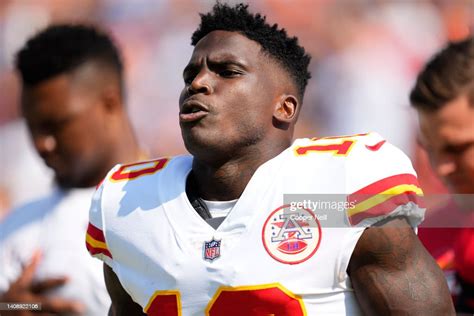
(393, 274)
(122, 303)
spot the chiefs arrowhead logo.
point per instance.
(291, 237)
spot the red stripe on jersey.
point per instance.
(95, 233)
(381, 186)
(94, 251)
(386, 207)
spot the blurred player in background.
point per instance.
(73, 104)
(210, 234)
(444, 98)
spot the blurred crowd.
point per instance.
(366, 54)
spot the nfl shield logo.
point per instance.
(212, 249)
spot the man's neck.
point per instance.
(126, 150)
(226, 181)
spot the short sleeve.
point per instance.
(382, 183)
(95, 237)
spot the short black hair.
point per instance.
(64, 47)
(448, 74)
(273, 40)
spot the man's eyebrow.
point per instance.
(458, 142)
(227, 59)
(214, 64)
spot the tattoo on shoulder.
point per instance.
(400, 268)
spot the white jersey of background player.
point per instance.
(264, 258)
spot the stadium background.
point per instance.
(366, 54)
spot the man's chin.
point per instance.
(196, 139)
(210, 149)
(65, 182)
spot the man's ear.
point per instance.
(286, 109)
(112, 98)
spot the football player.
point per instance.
(72, 102)
(212, 233)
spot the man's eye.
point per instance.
(189, 75)
(188, 79)
(229, 73)
(456, 149)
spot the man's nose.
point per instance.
(202, 83)
(445, 166)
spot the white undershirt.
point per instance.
(220, 208)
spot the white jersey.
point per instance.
(55, 226)
(272, 254)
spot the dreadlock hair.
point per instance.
(446, 76)
(274, 41)
(62, 48)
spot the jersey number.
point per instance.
(269, 299)
(341, 149)
(138, 169)
(341, 146)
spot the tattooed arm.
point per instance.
(393, 274)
